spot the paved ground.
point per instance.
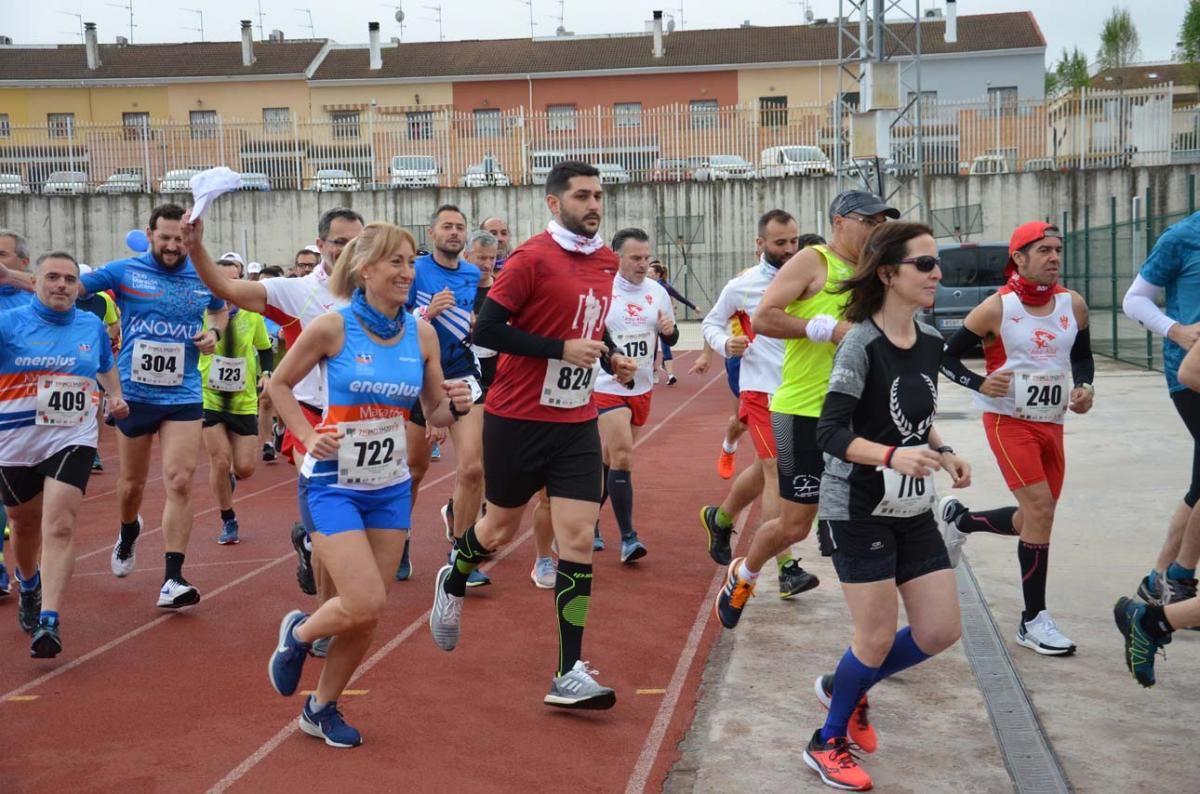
(1128, 465)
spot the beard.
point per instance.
(578, 223)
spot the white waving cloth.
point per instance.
(207, 185)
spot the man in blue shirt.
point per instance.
(443, 293)
(14, 255)
(1173, 266)
(162, 302)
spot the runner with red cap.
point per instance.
(1038, 351)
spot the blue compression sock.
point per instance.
(850, 680)
(48, 616)
(30, 584)
(1177, 572)
(903, 655)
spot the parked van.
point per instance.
(795, 161)
(541, 163)
(970, 273)
(413, 171)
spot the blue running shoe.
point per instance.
(733, 596)
(287, 662)
(478, 579)
(328, 724)
(29, 608)
(1140, 647)
(632, 549)
(229, 533)
(5, 581)
(597, 541)
(404, 569)
(435, 452)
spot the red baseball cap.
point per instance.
(1025, 234)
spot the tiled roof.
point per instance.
(142, 61)
(1140, 76)
(684, 48)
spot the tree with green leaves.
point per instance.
(1189, 42)
(1070, 72)
(1119, 42)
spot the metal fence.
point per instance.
(1101, 262)
(372, 148)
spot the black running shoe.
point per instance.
(268, 453)
(718, 538)
(794, 580)
(46, 641)
(29, 608)
(304, 571)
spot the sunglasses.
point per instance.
(925, 264)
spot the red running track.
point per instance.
(143, 700)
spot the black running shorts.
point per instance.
(238, 424)
(1187, 403)
(72, 466)
(801, 462)
(520, 457)
(882, 549)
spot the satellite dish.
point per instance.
(671, 25)
(808, 16)
(400, 15)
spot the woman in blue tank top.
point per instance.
(355, 489)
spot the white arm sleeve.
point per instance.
(1139, 306)
(716, 322)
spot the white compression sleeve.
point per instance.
(1139, 306)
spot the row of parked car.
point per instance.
(73, 183)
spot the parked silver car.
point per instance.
(413, 171)
(613, 174)
(329, 180)
(13, 184)
(485, 174)
(177, 181)
(121, 183)
(254, 180)
(66, 183)
(725, 166)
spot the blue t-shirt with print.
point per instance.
(158, 305)
(454, 324)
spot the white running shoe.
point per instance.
(445, 618)
(544, 573)
(445, 511)
(175, 594)
(577, 689)
(1042, 635)
(954, 538)
(123, 566)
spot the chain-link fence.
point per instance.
(1101, 261)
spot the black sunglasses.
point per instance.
(925, 264)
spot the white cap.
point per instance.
(312, 249)
(84, 269)
(232, 256)
(254, 267)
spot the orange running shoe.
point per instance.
(862, 732)
(725, 464)
(836, 765)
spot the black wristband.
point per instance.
(944, 450)
(454, 411)
(216, 331)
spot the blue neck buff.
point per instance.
(50, 315)
(374, 320)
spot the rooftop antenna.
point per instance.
(312, 31)
(129, 8)
(530, 4)
(562, 14)
(200, 14)
(260, 15)
(805, 10)
(438, 8)
(400, 17)
(680, 16)
(78, 17)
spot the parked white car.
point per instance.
(329, 180)
(66, 183)
(780, 161)
(613, 174)
(541, 163)
(255, 180)
(177, 181)
(725, 166)
(986, 164)
(121, 183)
(486, 174)
(414, 171)
(13, 184)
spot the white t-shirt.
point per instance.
(306, 299)
(632, 323)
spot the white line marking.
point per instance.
(191, 565)
(108, 646)
(666, 710)
(268, 747)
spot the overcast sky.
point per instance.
(1065, 23)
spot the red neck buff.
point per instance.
(1030, 292)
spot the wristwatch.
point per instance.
(216, 331)
(455, 412)
(945, 450)
(1087, 387)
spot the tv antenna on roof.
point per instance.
(400, 16)
(530, 4)
(78, 17)
(200, 14)
(129, 8)
(438, 9)
(312, 31)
